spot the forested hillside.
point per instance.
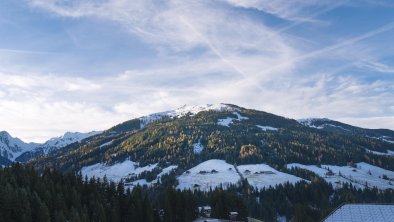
(250, 136)
(28, 196)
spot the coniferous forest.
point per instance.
(26, 195)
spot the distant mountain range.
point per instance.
(14, 149)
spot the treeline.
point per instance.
(171, 140)
(28, 196)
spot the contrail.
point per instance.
(350, 41)
(314, 15)
(213, 48)
(18, 51)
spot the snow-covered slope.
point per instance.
(209, 174)
(11, 147)
(263, 176)
(126, 170)
(183, 111)
(115, 172)
(215, 173)
(361, 176)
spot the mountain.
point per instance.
(11, 148)
(14, 149)
(142, 150)
(335, 126)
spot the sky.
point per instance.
(82, 65)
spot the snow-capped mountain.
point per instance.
(66, 139)
(185, 110)
(219, 145)
(11, 148)
(15, 149)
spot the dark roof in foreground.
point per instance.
(362, 212)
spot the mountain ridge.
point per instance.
(14, 149)
(232, 133)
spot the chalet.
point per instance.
(233, 216)
(205, 211)
(330, 173)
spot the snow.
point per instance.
(225, 122)
(225, 175)
(143, 182)
(117, 171)
(229, 120)
(389, 152)
(66, 139)
(266, 128)
(310, 122)
(362, 212)
(11, 147)
(364, 174)
(106, 144)
(263, 176)
(198, 148)
(125, 170)
(183, 111)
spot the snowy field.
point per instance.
(360, 176)
(209, 174)
(117, 171)
(263, 176)
(215, 173)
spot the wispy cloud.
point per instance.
(206, 52)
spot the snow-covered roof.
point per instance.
(362, 212)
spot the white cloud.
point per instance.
(211, 54)
(295, 10)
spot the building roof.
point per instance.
(362, 212)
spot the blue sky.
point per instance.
(72, 65)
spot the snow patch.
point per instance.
(389, 152)
(361, 176)
(198, 148)
(310, 122)
(266, 128)
(106, 144)
(229, 120)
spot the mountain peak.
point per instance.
(186, 110)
